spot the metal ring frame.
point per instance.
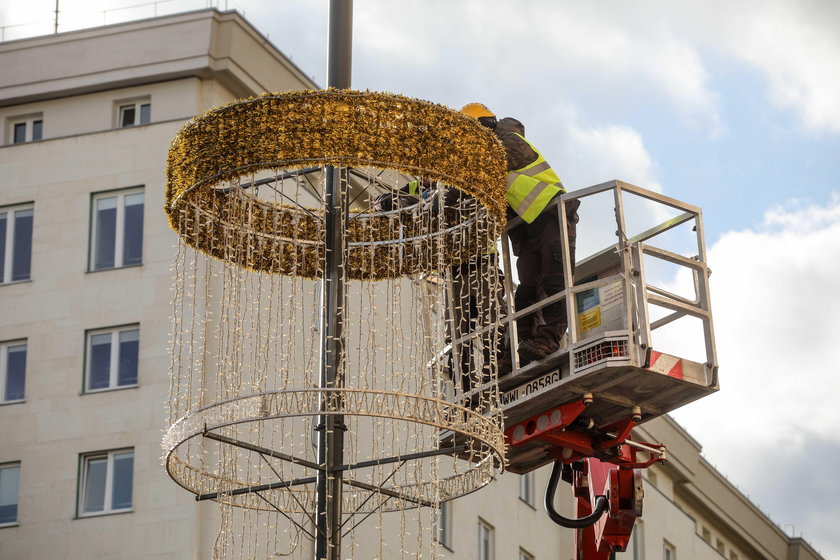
(485, 449)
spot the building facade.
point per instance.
(85, 305)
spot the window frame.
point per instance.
(107, 509)
(119, 227)
(12, 465)
(4, 368)
(525, 555)
(9, 243)
(443, 533)
(669, 551)
(526, 489)
(485, 529)
(28, 121)
(638, 540)
(113, 375)
(137, 105)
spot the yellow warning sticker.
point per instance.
(589, 319)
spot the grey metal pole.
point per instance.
(331, 427)
(340, 46)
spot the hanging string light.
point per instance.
(418, 393)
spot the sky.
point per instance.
(730, 106)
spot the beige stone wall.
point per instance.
(693, 506)
(82, 153)
(516, 524)
(52, 311)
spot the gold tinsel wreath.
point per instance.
(341, 128)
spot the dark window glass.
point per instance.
(15, 372)
(133, 230)
(123, 478)
(37, 130)
(129, 344)
(127, 115)
(145, 113)
(9, 485)
(22, 251)
(3, 223)
(94, 495)
(20, 133)
(8, 513)
(100, 361)
(106, 233)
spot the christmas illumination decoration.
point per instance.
(416, 387)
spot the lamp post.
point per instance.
(330, 428)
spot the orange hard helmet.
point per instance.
(476, 110)
(480, 112)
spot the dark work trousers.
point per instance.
(477, 294)
(538, 247)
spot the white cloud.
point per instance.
(775, 303)
(804, 220)
(794, 46)
(775, 306)
(627, 55)
(377, 34)
(800, 55)
(473, 50)
(584, 155)
(597, 154)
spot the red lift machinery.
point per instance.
(577, 407)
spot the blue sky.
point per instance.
(730, 106)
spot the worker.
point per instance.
(537, 242)
(478, 294)
(472, 286)
(406, 196)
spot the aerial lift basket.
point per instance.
(610, 358)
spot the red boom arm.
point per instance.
(603, 468)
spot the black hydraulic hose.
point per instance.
(601, 504)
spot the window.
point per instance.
(26, 128)
(639, 541)
(117, 229)
(669, 552)
(12, 371)
(134, 113)
(444, 525)
(485, 541)
(526, 488)
(15, 243)
(9, 488)
(719, 546)
(525, 555)
(111, 358)
(106, 482)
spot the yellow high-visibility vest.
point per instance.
(530, 188)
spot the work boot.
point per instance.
(549, 338)
(530, 351)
